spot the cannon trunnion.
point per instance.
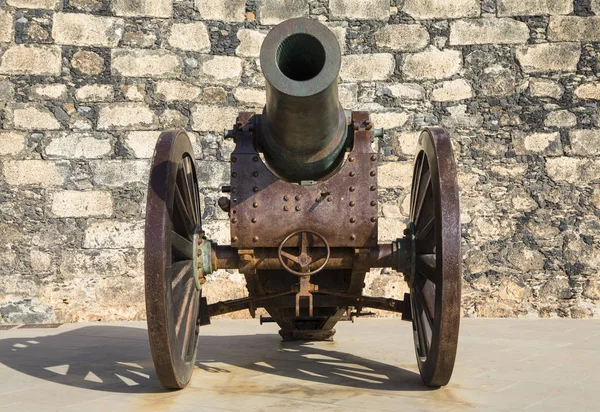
(303, 209)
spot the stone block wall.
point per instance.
(86, 86)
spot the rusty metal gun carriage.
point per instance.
(303, 211)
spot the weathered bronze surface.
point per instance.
(303, 205)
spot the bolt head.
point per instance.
(373, 203)
(234, 220)
(297, 208)
(233, 159)
(352, 237)
(255, 205)
(352, 188)
(286, 208)
(372, 173)
(352, 174)
(255, 159)
(352, 220)
(234, 239)
(351, 159)
(373, 188)
(329, 199)
(255, 239)
(297, 197)
(352, 204)
(373, 158)
(255, 174)
(255, 189)
(373, 219)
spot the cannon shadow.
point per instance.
(117, 359)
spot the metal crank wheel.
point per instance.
(173, 236)
(435, 277)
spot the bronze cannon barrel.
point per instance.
(303, 126)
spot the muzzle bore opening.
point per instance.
(300, 57)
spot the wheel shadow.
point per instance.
(117, 359)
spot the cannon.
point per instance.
(303, 204)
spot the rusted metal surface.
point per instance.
(266, 209)
(436, 279)
(303, 129)
(227, 257)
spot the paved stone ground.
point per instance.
(502, 365)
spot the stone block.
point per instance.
(31, 116)
(402, 37)
(488, 31)
(213, 174)
(117, 173)
(7, 90)
(145, 63)
(367, 67)
(405, 143)
(87, 62)
(573, 170)
(12, 143)
(390, 120)
(78, 145)
(114, 234)
(54, 91)
(442, 9)
(339, 30)
(226, 70)
(222, 10)
(547, 144)
(402, 91)
(432, 64)
(250, 43)
(142, 8)
(451, 90)
(273, 12)
(549, 57)
(534, 7)
(39, 173)
(34, 4)
(74, 203)
(126, 116)
(79, 29)
(574, 28)
(585, 142)
(77, 263)
(7, 30)
(175, 90)
(390, 229)
(560, 118)
(31, 60)
(209, 118)
(250, 96)
(546, 88)
(497, 81)
(588, 91)
(142, 143)
(359, 9)
(395, 175)
(189, 37)
(95, 93)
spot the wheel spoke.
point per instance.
(425, 193)
(416, 184)
(189, 327)
(179, 271)
(426, 266)
(186, 194)
(189, 178)
(421, 336)
(189, 289)
(304, 243)
(289, 256)
(182, 247)
(424, 300)
(183, 215)
(425, 230)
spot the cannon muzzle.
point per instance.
(303, 127)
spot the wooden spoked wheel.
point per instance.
(435, 278)
(173, 227)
